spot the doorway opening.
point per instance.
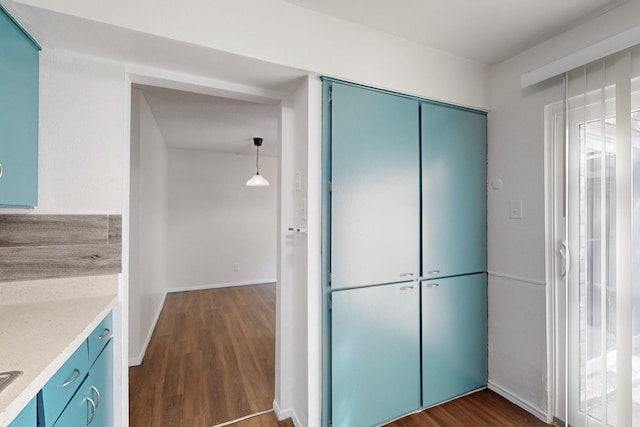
(197, 229)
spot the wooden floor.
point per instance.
(211, 360)
(482, 409)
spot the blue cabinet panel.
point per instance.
(100, 336)
(375, 192)
(101, 378)
(27, 417)
(18, 115)
(56, 393)
(454, 191)
(375, 354)
(454, 337)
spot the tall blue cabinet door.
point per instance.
(454, 337)
(454, 191)
(18, 115)
(375, 354)
(375, 191)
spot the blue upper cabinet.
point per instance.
(18, 115)
(375, 191)
(454, 191)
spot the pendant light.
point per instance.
(257, 180)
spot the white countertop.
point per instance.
(42, 322)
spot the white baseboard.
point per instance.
(283, 414)
(517, 401)
(137, 360)
(186, 288)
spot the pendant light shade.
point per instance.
(257, 180)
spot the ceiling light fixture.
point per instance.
(257, 180)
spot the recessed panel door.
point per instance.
(375, 187)
(454, 191)
(375, 354)
(454, 337)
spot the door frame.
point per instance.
(288, 135)
(555, 290)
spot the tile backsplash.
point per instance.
(49, 246)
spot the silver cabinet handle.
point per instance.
(104, 334)
(94, 407)
(406, 288)
(433, 272)
(97, 392)
(0, 170)
(431, 285)
(76, 374)
(406, 274)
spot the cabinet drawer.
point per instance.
(60, 388)
(80, 410)
(100, 337)
(26, 418)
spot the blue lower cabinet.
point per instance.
(56, 393)
(454, 337)
(101, 378)
(26, 418)
(80, 394)
(375, 354)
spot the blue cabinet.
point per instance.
(81, 392)
(404, 248)
(27, 417)
(375, 341)
(92, 405)
(18, 115)
(454, 337)
(375, 187)
(454, 191)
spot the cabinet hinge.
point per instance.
(329, 277)
(330, 95)
(330, 185)
(330, 304)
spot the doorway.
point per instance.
(191, 212)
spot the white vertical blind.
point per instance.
(603, 343)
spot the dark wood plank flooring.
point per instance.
(211, 359)
(482, 409)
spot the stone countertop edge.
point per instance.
(42, 323)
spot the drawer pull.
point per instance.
(105, 334)
(94, 407)
(0, 170)
(76, 375)
(98, 397)
(431, 285)
(406, 288)
(406, 274)
(432, 272)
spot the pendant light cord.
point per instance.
(257, 168)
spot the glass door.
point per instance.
(603, 290)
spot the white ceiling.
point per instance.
(488, 31)
(203, 122)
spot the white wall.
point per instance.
(216, 221)
(517, 287)
(148, 226)
(280, 32)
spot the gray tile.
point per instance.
(39, 262)
(48, 230)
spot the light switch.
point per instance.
(515, 209)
